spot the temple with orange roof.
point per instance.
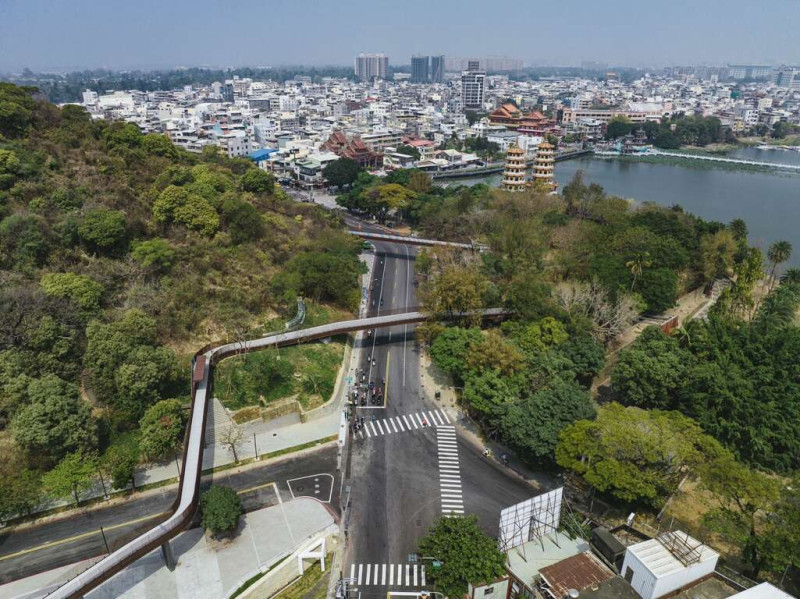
(351, 147)
(534, 123)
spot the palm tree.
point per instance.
(641, 260)
(739, 229)
(791, 276)
(778, 253)
(683, 337)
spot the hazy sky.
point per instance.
(58, 34)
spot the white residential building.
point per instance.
(670, 562)
(473, 89)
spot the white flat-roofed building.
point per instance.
(670, 562)
(763, 591)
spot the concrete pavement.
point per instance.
(207, 568)
(36, 548)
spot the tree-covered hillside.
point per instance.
(119, 256)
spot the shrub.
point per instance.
(220, 508)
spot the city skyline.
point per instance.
(251, 34)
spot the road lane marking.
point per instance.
(400, 424)
(243, 491)
(386, 383)
(352, 571)
(380, 428)
(376, 575)
(391, 574)
(374, 432)
(360, 566)
(450, 492)
(377, 313)
(369, 570)
(423, 575)
(443, 413)
(405, 326)
(83, 535)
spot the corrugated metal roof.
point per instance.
(579, 572)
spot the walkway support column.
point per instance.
(169, 557)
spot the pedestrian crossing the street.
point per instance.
(400, 424)
(387, 575)
(449, 471)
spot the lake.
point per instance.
(769, 201)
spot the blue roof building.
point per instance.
(261, 155)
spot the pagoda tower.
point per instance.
(543, 167)
(514, 175)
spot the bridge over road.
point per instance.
(409, 240)
(183, 510)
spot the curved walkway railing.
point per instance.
(185, 505)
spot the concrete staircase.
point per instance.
(717, 288)
(217, 421)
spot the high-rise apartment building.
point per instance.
(788, 77)
(371, 66)
(473, 86)
(748, 71)
(437, 69)
(420, 69)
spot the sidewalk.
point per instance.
(207, 568)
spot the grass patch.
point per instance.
(316, 314)
(272, 454)
(306, 371)
(280, 452)
(246, 415)
(254, 579)
(300, 587)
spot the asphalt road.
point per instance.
(77, 537)
(394, 477)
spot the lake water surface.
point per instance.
(769, 201)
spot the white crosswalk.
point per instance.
(449, 471)
(388, 575)
(400, 424)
